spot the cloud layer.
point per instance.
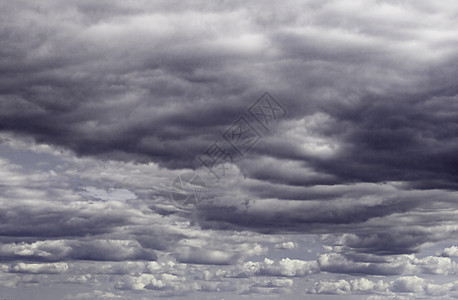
(352, 191)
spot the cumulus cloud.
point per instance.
(283, 268)
(403, 287)
(360, 285)
(286, 245)
(450, 251)
(408, 284)
(148, 281)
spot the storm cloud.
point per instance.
(103, 104)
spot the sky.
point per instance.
(228, 149)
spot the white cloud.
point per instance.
(193, 255)
(283, 268)
(336, 287)
(408, 284)
(159, 282)
(286, 245)
(359, 285)
(436, 265)
(40, 268)
(450, 251)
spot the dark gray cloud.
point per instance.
(124, 82)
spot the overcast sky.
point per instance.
(344, 183)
